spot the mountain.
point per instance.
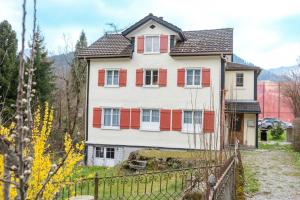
(60, 62)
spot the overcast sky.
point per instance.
(266, 32)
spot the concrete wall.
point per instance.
(249, 131)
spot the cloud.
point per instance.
(261, 28)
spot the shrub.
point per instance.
(277, 132)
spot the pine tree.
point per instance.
(43, 75)
(8, 70)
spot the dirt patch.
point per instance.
(276, 173)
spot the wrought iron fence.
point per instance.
(171, 184)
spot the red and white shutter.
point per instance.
(140, 44)
(165, 120)
(97, 112)
(139, 77)
(122, 77)
(181, 77)
(163, 43)
(176, 120)
(135, 118)
(125, 118)
(101, 77)
(205, 77)
(209, 122)
(162, 82)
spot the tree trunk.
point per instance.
(296, 143)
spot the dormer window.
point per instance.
(152, 44)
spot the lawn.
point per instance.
(271, 138)
(118, 183)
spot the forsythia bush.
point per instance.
(43, 164)
(13, 192)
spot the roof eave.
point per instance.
(103, 56)
(199, 54)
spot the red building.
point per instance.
(272, 102)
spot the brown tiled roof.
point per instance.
(111, 45)
(202, 42)
(242, 106)
(230, 66)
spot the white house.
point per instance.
(156, 86)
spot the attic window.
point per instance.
(152, 26)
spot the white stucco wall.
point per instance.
(169, 97)
(240, 93)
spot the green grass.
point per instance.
(252, 184)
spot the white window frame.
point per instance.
(105, 78)
(144, 77)
(111, 126)
(190, 128)
(151, 52)
(107, 151)
(150, 126)
(100, 149)
(236, 77)
(193, 85)
(104, 149)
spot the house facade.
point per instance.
(156, 86)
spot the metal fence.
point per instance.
(171, 184)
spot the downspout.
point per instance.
(222, 102)
(87, 112)
(256, 115)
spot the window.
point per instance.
(150, 120)
(150, 115)
(239, 80)
(111, 117)
(110, 153)
(193, 77)
(192, 121)
(151, 77)
(99, 152)
(151, 44)
(112, 77)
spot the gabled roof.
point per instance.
(158, 20)
(205, 42)
(111, 45)
(230, 66)
(242, 106)
(194, 43)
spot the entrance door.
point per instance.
(104, 156)
(236, 128)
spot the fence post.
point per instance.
(96, 187)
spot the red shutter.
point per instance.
(205, 77)
(140, 44)
(101, 75)
(97, 117)
(209, 122)
(165, 120)
(135, 118)
(162, 77)
(176, 120)
(163, 44)
(122, 77)
(180, 77)
(139, 77)
(125, 118)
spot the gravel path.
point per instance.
(279, 179)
